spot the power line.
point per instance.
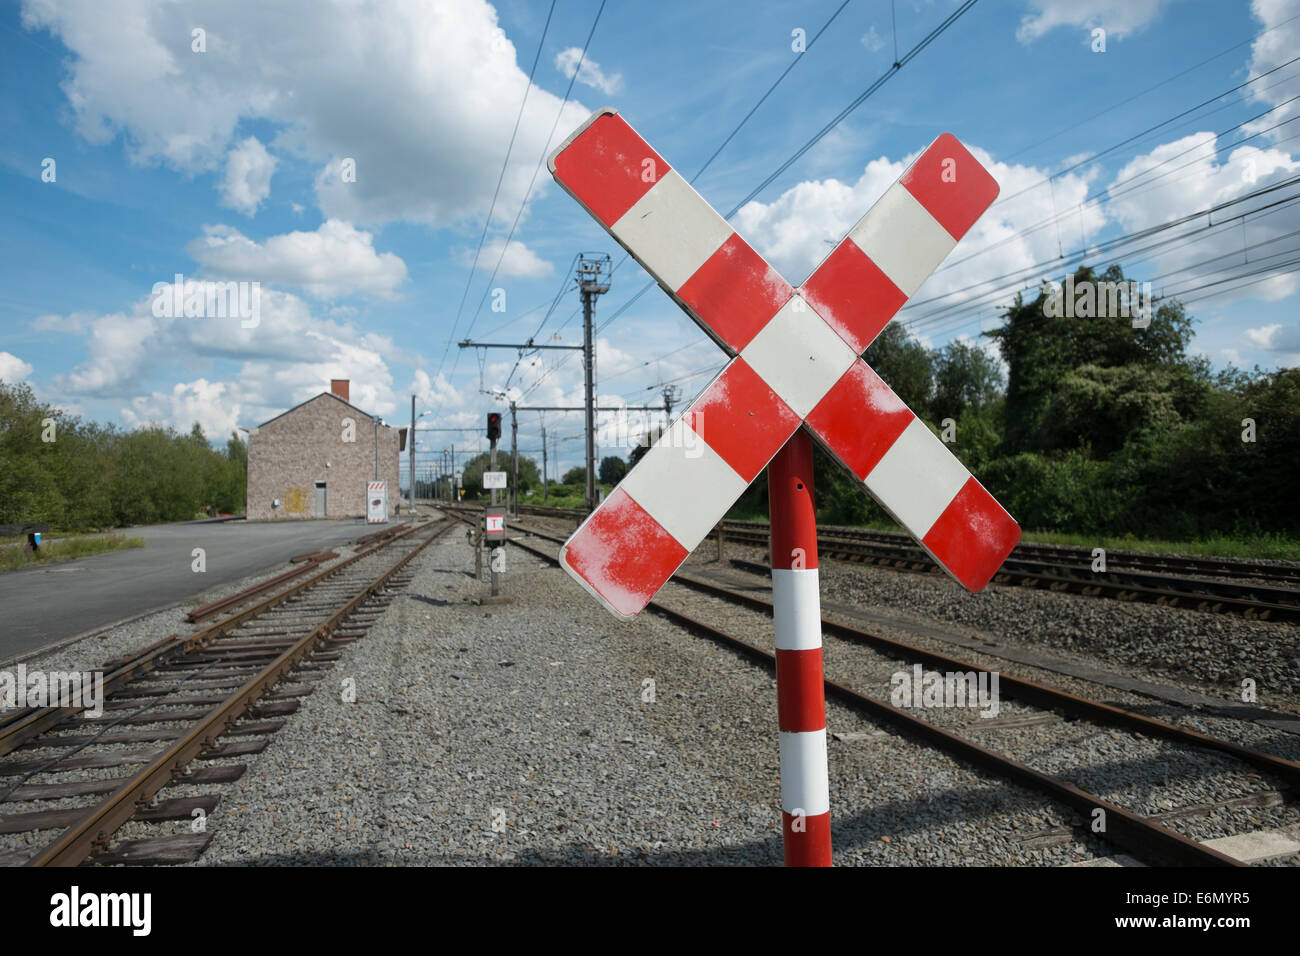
(505, 164)
(819, 135)
(541, 160)
(861, 98)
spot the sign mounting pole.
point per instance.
(800, 683)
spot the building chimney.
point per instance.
(339, 386)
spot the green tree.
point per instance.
(965, 377)
(612, 470)
(905, 365)
(1042, 350)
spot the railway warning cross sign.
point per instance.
(795, 369)
(795, 363)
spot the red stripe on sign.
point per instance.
(609, 167)
(800, 695)
(735, 292)
(951, 184)
(623, 553)
(973, 536)
(742, 419)
(790, 505)
(855, 298)
(808, 843)
(860, 418)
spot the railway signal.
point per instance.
(795, 369)
(494, 426)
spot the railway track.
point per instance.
(211, 696)
(1147, 837)
(1257, 592)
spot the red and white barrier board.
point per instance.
(795, 369)
(795, 362)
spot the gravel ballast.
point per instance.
(517, 733)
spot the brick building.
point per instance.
(314, 460)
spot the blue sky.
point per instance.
(229, 164)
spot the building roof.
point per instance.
(363, 414)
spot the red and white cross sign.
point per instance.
(795, 363)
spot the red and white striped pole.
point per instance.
(800, 691)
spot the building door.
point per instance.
(320, 499)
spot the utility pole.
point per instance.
(513, 494)
(590, 284)
(593, 280)
(544, 486)
(411, 449)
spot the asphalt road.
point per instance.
(48, 605)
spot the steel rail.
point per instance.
(95, 828)
(1180, 593)
(28, 724)
(1125, 828)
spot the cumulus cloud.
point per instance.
(75, 322)
(288, 356)
(799, 228)
(1276, 45)
(421, 96)
(12, 368)
(1206, 179)
(211, 404)
(589, 73)
(336, 260)
(1118, 18)
(518, 259)
(872, 40)
(248, 176)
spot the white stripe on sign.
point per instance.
(903, 239)
(917, 478)
(797, 614)
(803, 773)
(799, 356)
(684, 484)
(672, 230)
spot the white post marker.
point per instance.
(376, 502)
(795, 363)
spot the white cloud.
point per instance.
(408, 87)
(74, 322)
(1206, 180)
(289, 356)
(1118, 18)
(210, 404)
(797, 230)
(1262, 338)
(589, 73)
(335, 260)
(518, 260)
(248, 176)
(12, 368)
(1275, 46)
(872, 40)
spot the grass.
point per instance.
(1266, 546)
(1273, 546)
(14, 556)
(1269, 546)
